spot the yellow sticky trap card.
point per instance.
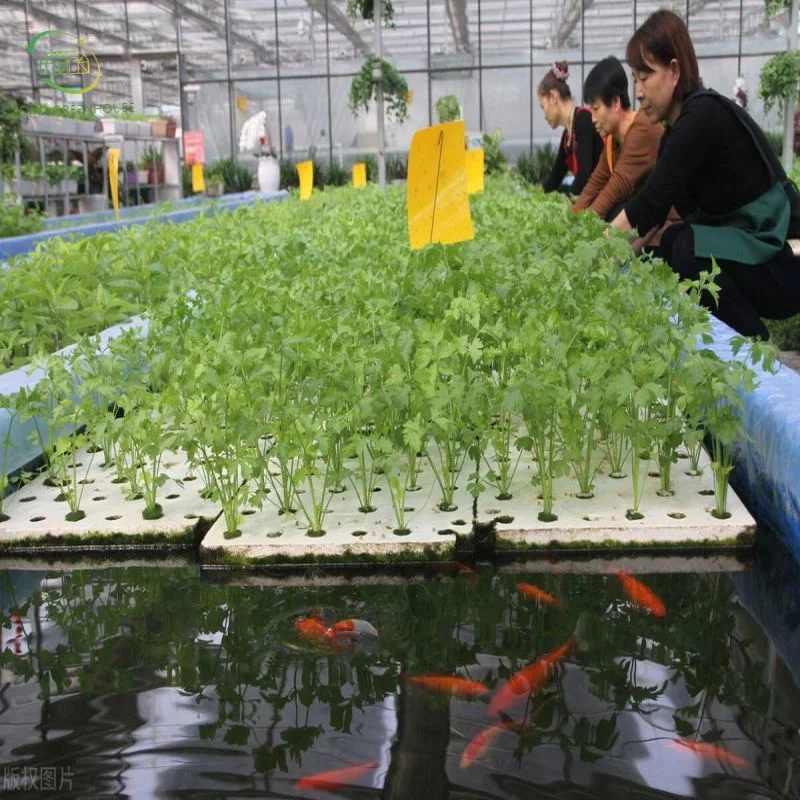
(305, 171)
(474, 160)
(113, 177)
(198, 182)
(438, 204)
(359, 174)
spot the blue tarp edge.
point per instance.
(767, 457)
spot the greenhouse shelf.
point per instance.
(19, 245)
(767, 458)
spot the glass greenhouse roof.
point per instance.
(213, 40)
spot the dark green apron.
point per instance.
(756, 232)
(752, 234)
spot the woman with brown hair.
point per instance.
(717, 169)
(580, 146)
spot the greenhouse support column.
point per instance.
(181, 79)
(231, 92)
(791, 103)
(137, 90)
(377, 16)
(278, 77)
(34, 85)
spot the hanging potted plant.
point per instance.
(378, 72)
(365, 9)
(448, 109)
(256, 138)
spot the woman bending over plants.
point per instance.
(580, 146)
(717, 169)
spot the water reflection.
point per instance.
(153, 682)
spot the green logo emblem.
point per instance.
(64, 66)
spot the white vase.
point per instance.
(269, 174)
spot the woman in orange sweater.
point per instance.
(631, 142)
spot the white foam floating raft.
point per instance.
(37, 519)
(112, 522)
(683, 520)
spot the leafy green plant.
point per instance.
(536, 167)
(289, 177)
(68, 112)
(396, 168)
(337, 175)
(447, 108)
(785, 333)
(151, 158)
(779, 79)
(494, 160)
(17, 220)
(395, 89)
(236, 177)
(13, 111)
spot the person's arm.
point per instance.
(585, 134)
(597, 182)
(684, 149)
(558, 170)
(637, 159)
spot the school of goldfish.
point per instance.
(515, 691)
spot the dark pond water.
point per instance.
(160, 681)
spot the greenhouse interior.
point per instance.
(399, 399)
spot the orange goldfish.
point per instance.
(529, 679)
(640, 595)
(351, 629)
(447, 684)
(532, 592)
(310, 628)
(333, 780)
(477, 747)
(710, 751)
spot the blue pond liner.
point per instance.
(767, 458)
(93, 217)
(23, 446)
(19, 245)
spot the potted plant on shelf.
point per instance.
(256, 138)
(153, 163)
(30, 181)
(215, 181)
(163, 128)
(131, 174)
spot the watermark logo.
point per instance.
(33, 779)
(67, 64)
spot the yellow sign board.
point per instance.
(198, 183)
(113, 177)
(359, 174)
(241, 103)
(305, 171)
(474, 161)
(438, 204)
